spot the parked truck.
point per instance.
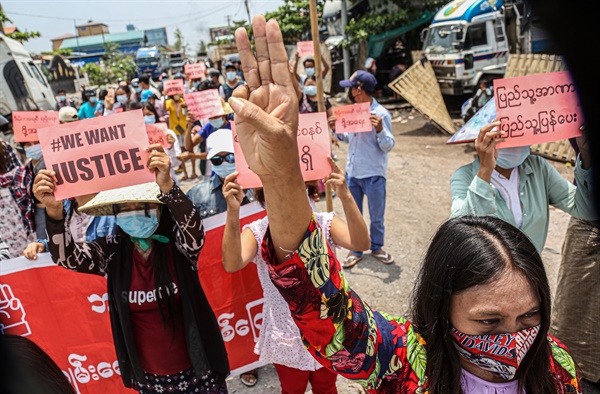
(23, 86)
(469, 41)
(147, 61)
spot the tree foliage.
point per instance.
(294, 19)
(114, 65)
(17, 35)
(180, 44)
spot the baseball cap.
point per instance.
(67, 114)
(229, 64)
(362, 79)
(213, 72)
(146, 94)
(219, 141)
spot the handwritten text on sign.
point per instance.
(353, 118)
(173, 87)
(537, 108)
(97, 154)
(313, 149)
(27, 123)
(157, 134)
(195, 70)
(306, 48)
(204, 104)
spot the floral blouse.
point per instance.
(383, 353)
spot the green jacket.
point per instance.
(540, 185)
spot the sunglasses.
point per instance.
(218, 160)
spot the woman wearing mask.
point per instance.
(151, 117)
(481, 307)
(120, 102)
(518, 187)
(166, 335)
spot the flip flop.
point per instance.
(351, 260)
(384, 257)
(253, 374)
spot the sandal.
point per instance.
(184, 178)
(383, 256)
(351, 260)
(250, 378)
(194, 176)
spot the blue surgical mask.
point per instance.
(137, 224)
(122, 98)
(310, 90)
(231, 75)
(138, 89)
(224, 169)
(149, 119)
(217, 123)
(34, 152)
(310, 71)
(62, 98)
(512, 157)
(93, 100)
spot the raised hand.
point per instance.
(485, 144)
(337, 180)
(266, 109)
(160, 163)
(233, 192)
(43, 190)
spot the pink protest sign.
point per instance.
(305, 48)
(195, 70)
(157, 134)
(313, 148)
(97, 154)
(353, 118)
(537, 108)
(173, 87)
(204, 104)
(27, 123)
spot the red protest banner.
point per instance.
(172, 87)
(195, 70)
(204, 104)
(353, 118)
(313, 148)
(66, 314)
(97, 154)
(157, 134)
(236, 298)
(537, 108)
(27, 123)
(305, 48)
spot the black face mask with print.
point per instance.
(351, 98)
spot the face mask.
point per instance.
(310, 71)
(351, 97)
(512, 157)
(137, 224)
(149, 119)
(231, 75)
(500, 354)
(34, 152)
(62, 98)
(138, 89)
(216, 123)
(224, 169)
(310, 90)
(93, 100)
(177, 97)
(122, 98)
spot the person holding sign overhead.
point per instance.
(166, 336)
(367, 163)
(518, 187)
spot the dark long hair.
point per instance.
(468, 251)
(312, 188)
(148, 105)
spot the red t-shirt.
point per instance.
(161, 350)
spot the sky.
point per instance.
(53, 18)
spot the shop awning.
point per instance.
(380, 43)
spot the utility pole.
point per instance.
(314, 29)
(248, 11)
(345, 50)
(228, 17)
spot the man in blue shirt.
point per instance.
(367, 163)
(88, 109)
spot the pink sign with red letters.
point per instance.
(27, 123)
(537, 108)
(157, 134)
(204, 104)
(313, 148)
(353, 118)
(97, 154)
(195, 70)
(173, 86)
(305, 48)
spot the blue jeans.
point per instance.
(374, 188)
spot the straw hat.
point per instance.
(102, 203)
(226, 107)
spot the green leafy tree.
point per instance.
(95, 73)
(19, 36)
(180, 44)
(294, 19)
(201, 47)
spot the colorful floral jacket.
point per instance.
(385, 354)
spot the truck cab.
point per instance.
(23, 86)
(466, 43)
(147, 61)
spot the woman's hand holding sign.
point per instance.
(160, 163)
(43, 189)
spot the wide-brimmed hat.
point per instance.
(102, 203)
(226, 107)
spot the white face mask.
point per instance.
(512, 157)
(224, 169)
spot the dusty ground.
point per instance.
(418, 190)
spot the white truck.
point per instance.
(23, 86)
(469, 41)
